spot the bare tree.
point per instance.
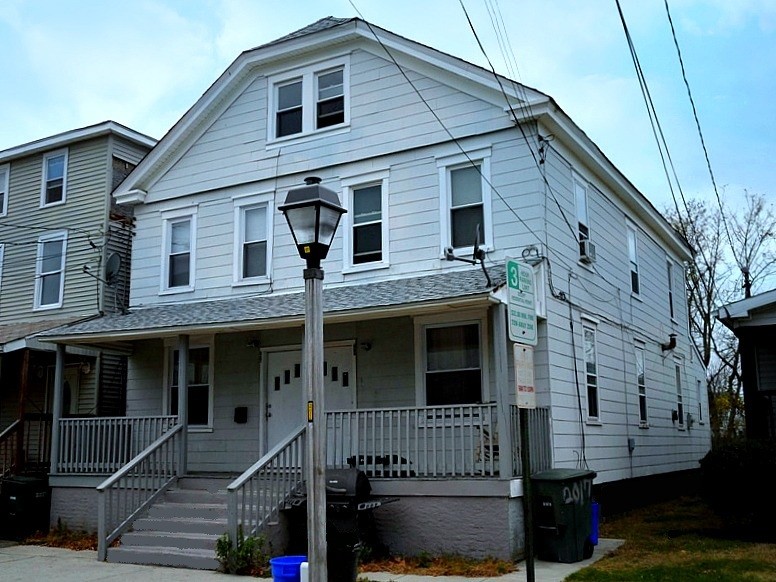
(735, 254)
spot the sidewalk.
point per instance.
(57, 565)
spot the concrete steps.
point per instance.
(181, 529)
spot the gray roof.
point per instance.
(257, 309)
(317, 26)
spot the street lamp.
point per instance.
(313, 214)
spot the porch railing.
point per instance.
(257, 496)
(128, 492)
(103, 445)
(435, 441)
(540, 442)
(26, 445)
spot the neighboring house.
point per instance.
(58, 229)
(753, 321)
(427, 153)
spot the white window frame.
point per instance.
(671, 293)
(581, 210)
(309, 77)
(700, 391)
(39, 274)
(632, 245)
(171, 346)
(641, 384)
(45, 179)
(445, 165)
(435, 321)
(349, 186)
(5, 180)
(679, 394)
(591, 325)
(241, 205)
(170, 217)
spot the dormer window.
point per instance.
(308, 100)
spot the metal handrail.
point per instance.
(139, 483)
(258, 495)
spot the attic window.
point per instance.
(308, 100)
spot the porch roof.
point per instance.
(365, 301)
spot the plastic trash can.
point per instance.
(562, 503)
(25, 503)
(286, 568)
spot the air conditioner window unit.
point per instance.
(586, 251)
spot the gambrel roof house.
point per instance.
(58, 228)
(753, 321)
(434, 158)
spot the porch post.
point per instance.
(500, 358)
(183, 402)
(56, 412)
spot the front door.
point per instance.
(286, 403)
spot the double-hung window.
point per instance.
(54, 187)
(252, 238)
(679, 394)
(50, 270)
(365, 235)
(179, 249)
(198, 376)
(453, 364)
(5, 172)
(670, 277)
(307, 100)
(642, 384)
(591, 371)
(583, 225)
(466, 202)
(633, 259)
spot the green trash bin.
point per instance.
(562, 504)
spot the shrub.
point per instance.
(246, 556)
(737, 482)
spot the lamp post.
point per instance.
(313, 214)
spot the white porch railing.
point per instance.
(104, 445)
(125, 494)
(257, 496)
(435, 441)
(540, 442)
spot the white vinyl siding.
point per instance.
(54, 186)
(633, 259)
(304, 101)
(5, 172)
(50, 270)
(2, 258)
(465, 201)
(252, 239)
(178, 250)
(591, 371)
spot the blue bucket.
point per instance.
(594, 524)
(286, 568)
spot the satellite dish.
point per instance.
(112, 268)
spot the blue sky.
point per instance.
(71, 63)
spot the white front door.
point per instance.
(286, 403)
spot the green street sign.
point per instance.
(521, 302)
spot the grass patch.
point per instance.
(679, 540)
(445, 565)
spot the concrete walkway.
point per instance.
(40, 563)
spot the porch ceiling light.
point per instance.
(313, 214)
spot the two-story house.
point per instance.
(432, 157)
(64, 257)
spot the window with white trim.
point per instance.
(5, 172)
(679, 395)
(179, 249)
(641, 383)
(466, 201)
(591, 371)
(50, 270)
(699, 392)
(308, 100)
(670, 277)
(580, 200)
(633, 259)
(252, 238)
(365, 232)
(54, 187)
(453, 363)
(199, 377)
